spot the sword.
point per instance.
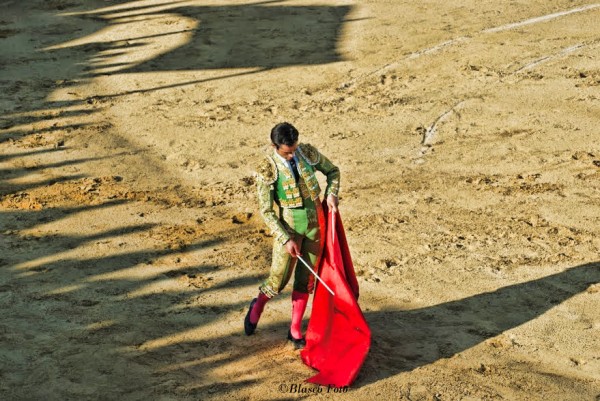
(316, 275)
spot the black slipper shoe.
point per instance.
(248, 326)
(299, 343)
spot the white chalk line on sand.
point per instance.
(432, 129)
(411, 56)
(461, 39)
(436, 48)
(543, 18)
(551, 57)
(430, 132)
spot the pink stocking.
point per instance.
(258, 307)
(299, 302)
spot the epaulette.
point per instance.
(266, 170)
(309, 153)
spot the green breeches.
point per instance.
(305, 226)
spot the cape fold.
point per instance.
(338, 337)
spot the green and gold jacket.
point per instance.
(276, 184)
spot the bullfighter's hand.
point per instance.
(332, 203)
(292, 248)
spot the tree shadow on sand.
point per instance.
(68, 319)
(254, 37)
(72, 319)
(262, 35)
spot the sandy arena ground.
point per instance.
(467, 133)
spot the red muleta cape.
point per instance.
(338, 337)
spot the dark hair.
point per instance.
(284, 134)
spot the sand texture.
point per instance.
(467, 134)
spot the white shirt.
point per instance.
(287, 163)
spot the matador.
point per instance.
(286, 183)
